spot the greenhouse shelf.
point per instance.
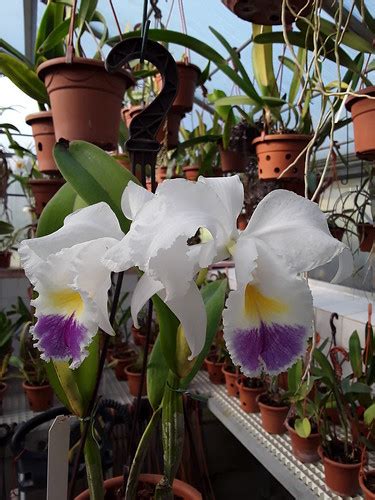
(303, 481)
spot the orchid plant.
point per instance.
(173, 236)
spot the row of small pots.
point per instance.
(39, 397)
(342, 478)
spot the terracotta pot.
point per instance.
(248, 397)
(138, 337)
(215, 371)
(341, 478)
(134, 381)
(232, 161)
(122, 361)
(277, 151)
(44, 136)
(363, 115)
(40, 397)
(305, 449)
(230, 382)
(43, 190)
(368, 494)
(266, 12)
(161, 174)
(337, 232)
(5, 258)
(85, 99)
(180, 489)
(366, 235)
(191, 172)
(3, 389)
(188, 76)
(273, 417)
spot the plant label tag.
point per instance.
(58, 450)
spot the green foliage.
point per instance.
(302, 427)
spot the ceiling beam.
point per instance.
(30, 12)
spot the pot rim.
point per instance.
(190, 167)
(332, 462)
(293, 431)
(275, 408)
(209, 361)
(354, 98)
(25, 385)
(362, 481)
(129, 372)
(43, 68)
(45, 182)
(41, 115)
(283, 137)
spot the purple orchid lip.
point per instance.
(60, 337)
(273, 345)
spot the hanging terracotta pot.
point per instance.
(43, 190)
(232, 161)
(188, 77)
(85, 99)
(276, 152)
(367, 484)
(249, 395)
(44, 136)
(273, 417)
(215, 370)
(3, 389)
(366, 235)
(40, 397)
(134, 381)
(363, 115)
(231, 377)
(180, 489)
(342, 478)
(305, 449)
(191, 172)
(268, 12)
(5, 258)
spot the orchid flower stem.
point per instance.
(131, 487)
(88, 423)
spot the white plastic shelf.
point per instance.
(303, 481)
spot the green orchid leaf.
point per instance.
(157, 373)
(53, 16)
(355, 354)
(56, 385)
(85, 14)
(14, 52)
(168, 325)
(94, 175)
(262, 57)
(295, 376)
(369, 415)
(85, 375)
(23, 77)
(357, 388)
(349, 38)
(6, 228)
(55, 37)
(302, 427)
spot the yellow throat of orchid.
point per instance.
(68, 301)
(258, 306)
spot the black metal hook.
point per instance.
(334, 316)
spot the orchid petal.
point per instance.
(268, 320)
(145, 289)
(133, 199)
(245, 260)
(295, 229)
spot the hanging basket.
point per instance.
(366, 235)
(277, 151)
(268, 12)
(43, 190)
(363, 116)
(85, 99)
(188, 77)
(44, 136)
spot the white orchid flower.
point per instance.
(72, 284)
(159, 244)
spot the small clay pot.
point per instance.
(248, 396)
(305, 449)
(215, 371)
(191, 172)
(343, 479)
(122, 361)
(276, 152)
(44, 136)
(368, 494)
(180, 489)
(273, 417)
(134, 381)
(5, 258)
(363, 115)
(85, 99)
(188, 77)
(366, 235)
(3, 389)
(40, 397)
(267, 12)
(337, 232)
(138, 336)
(43, 190)
(232, 161)
(230, 382)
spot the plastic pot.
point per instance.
(363, 116)
(341, 478)
(134, 381)
(366, 235)
(268, 12)
(85, 99)
(230, 382)
(44, 136)
(43, 190)
(188, 77)
(5, 258)
(215, 371)
(248, 396)
(40, 397)
(232, 161)
(180, 489)
(368, 494)
(191, 172)
(273, 417)
(276, 152)
(305, 449)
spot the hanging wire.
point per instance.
(184, 28)
(169, 14)
(116, 19)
